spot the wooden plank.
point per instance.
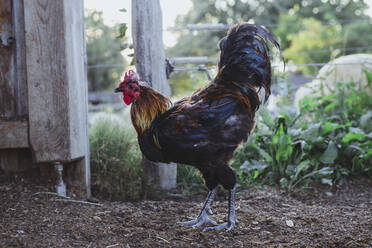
(77, 77)
(78, 94)
(20, 59)
(13, 134)
(8, 101)
(47, 80)
(150, 64)
(15, 160)
(13, 83)
(57, 95)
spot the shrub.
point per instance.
(328, 142)
(115, 160)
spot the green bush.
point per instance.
(329, 141)
(115, 160)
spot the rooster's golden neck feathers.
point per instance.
(147, 106)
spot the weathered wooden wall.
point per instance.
(13, 89)
(149, 52)
(13, 134)
(13, 82)
(43, 96)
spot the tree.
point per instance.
(313, 43)
(285, 18)
(263, 12)
(103, 48)
(357, 35)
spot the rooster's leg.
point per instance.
(231, 216)
(203, 216)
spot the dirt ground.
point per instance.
(30, 217)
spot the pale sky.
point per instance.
(112, 15)
(369, 11)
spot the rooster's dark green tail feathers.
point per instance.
(245, 58)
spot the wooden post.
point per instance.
(57, 86)
(150, 64)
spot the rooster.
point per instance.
(203, 130)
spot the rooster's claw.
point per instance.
(198, 221)
(227, 226)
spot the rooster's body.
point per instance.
(204, 130)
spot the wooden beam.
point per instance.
(78, 95)
(56, 79)
(20, 58)
(148, 43)
(57, 84)
(13, 134)
(47, 81)
(150, 64)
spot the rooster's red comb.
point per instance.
(130, 76)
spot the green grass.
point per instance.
(115, 160)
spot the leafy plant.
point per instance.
(123, 27)
(329, 140)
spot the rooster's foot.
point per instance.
(203, 218)
(224, 226)
(231, 217)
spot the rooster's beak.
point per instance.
(118, 89)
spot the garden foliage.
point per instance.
(329, 141)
